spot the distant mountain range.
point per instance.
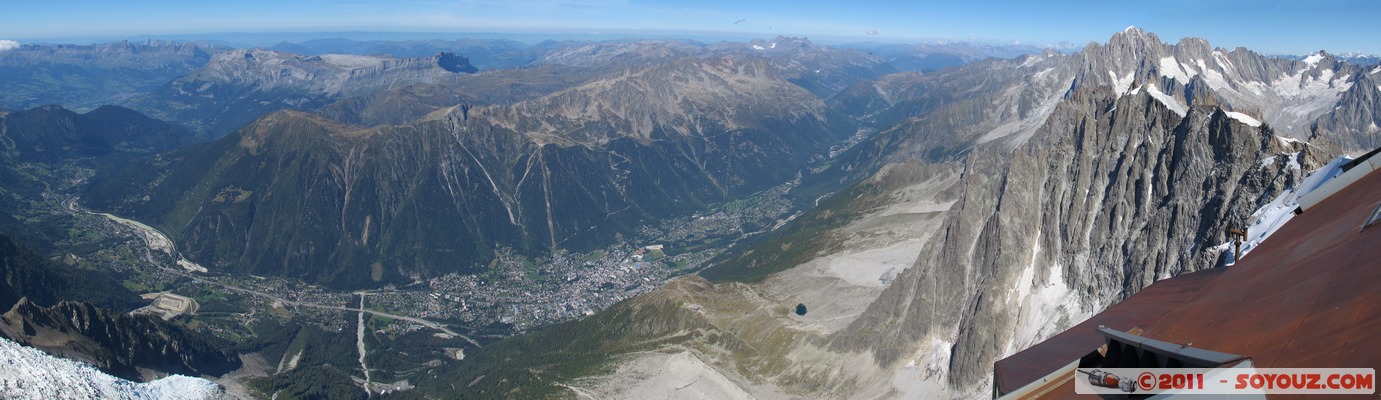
(86, 77)
(569, 170)
(1000, 202)
(952, 204)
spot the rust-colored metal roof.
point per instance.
(1309, 296)
(1144, 307)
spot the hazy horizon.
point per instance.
(1266, 26)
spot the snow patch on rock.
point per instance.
(1173, 69)
(1168, 101)
(1246, 119)
(1046, 306)
(1313, 59)
(937, 362)
(351, 61)
(1270, 217)
(1121, 85)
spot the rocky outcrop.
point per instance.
(1111, 194)
(1353, 124)
(940, 115)
(114, 342)
(454, 63)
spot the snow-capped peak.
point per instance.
(1313, 59)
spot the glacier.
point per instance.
(32, 374)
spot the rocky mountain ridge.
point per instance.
(1020, 245)
(1006, 193)
(328, 74)
(566, 170)
(236, 86)
(127, 346)
(1115, 194)
(1084, 178)
(52, 133)
(485, 54)
(84, 77)
(78, 314)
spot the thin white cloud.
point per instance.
(872, 32)
(7, 45)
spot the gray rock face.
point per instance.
(941, 115)
(116, 342)
(1087, 177)
(1110, 194)
(1290, 94)
(1352, 126)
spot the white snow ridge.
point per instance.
(1169, 101)
(1313, 59)
(1273, 215)
(1246, 119)
(29, 373)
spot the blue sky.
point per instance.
(1268, 26)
